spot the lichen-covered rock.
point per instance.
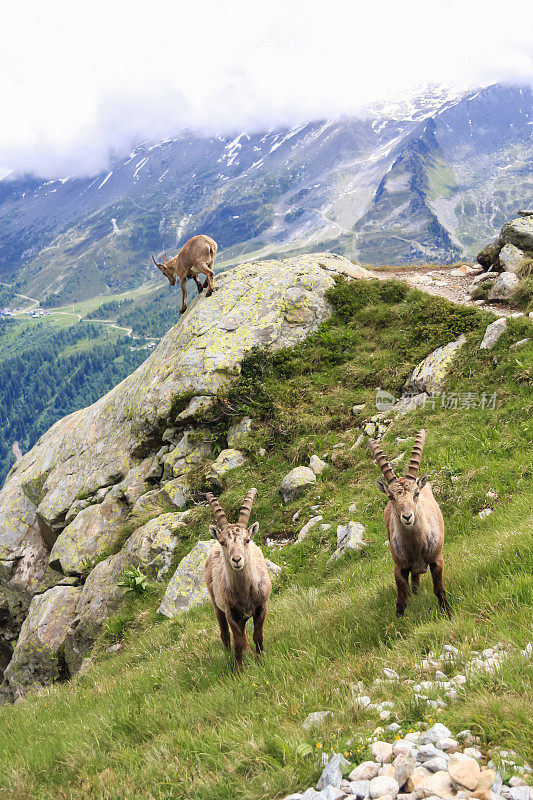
(296, 482)
(226, 461)
(37, 658)
(150, 548)
(512, 258)
(519, 232)
(24, 568)
(349, 538)
(134, 484)
(193, 447)
(176, 492)
(238, 431)
(430, 375)
(503, 286)
(187, 587)
(92, 533)
(493, 333)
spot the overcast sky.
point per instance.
(79, 80)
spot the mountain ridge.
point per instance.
(316, 185)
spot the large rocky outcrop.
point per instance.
(512, 248)
(64, 504)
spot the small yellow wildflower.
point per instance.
(319, 745)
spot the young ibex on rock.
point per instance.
(414, 523)
(237, 578)
(197, 256)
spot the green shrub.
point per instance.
(481, 291)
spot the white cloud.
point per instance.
(80, 80)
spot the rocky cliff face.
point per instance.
(64, 506)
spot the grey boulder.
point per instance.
(519, 232)
(295, 483)
(503, 286)
(493, 333)
(38, 657)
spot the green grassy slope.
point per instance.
(165, 717)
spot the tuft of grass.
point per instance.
(526, 268)
(166, 717)
(522, 296)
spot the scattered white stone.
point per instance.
(332, 772)
(315, 718)
(362, 701)
(325, 527)
(437, 764)
(317, 465)
(360, 789)
(382, 785)
(402, 747)
(493, 333)
(520, 793)
(307, 527)
(448, 744)
(450, 651)
(436, 732)
(381, 752)
(364, 771)
(349, 538)
(384, 714)
(464, 772)
(426, 752)
(391, 674)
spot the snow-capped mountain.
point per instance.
(428, 177)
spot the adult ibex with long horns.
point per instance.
(237, 577)
(414, 523)
(196, 257)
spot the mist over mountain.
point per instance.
(428, 178)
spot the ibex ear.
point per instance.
(382, 486)
(421, 482)
(213, 530)
(252, 530)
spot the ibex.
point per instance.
(237, 578)
(414, 523)
(197, 256)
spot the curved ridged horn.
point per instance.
(155, 262)
(218, 511)
(414, 464)
(246, 509)
(382, 461)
